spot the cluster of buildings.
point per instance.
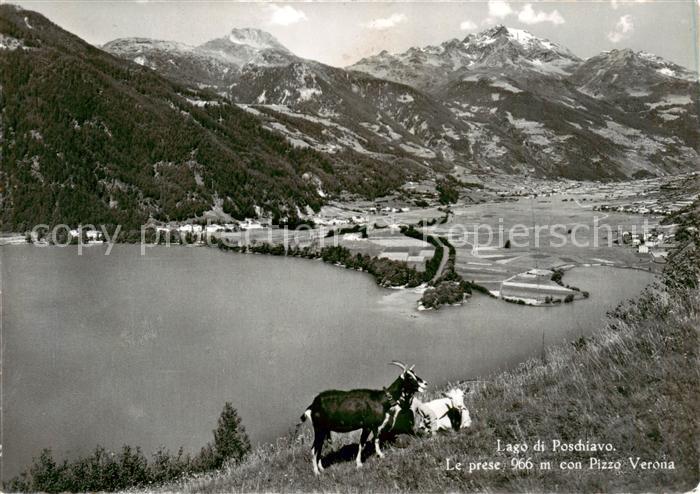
(91, 235)
(648, 206)
(654, 243)
(658, 196)
(356, 214)
(196, 228)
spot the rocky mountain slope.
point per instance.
(533, 105)
(641, 84)
(312, 104)
(501, 100)
(90, 137)
(506, 50)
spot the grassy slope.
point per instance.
(634, 384)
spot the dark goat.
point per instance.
(367, 409)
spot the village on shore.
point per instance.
(629, 231)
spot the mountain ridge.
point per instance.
(499, 46)
(481, 103)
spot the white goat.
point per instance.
(441, 414)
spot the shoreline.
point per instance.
(417, 289)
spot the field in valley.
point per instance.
(543, 233)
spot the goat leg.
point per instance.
(319, 438)
(390, 415)
(376, 447)
(360, 447)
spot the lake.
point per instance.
(125, 349)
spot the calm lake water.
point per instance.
(145, 350)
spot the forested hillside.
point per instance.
(88, 137)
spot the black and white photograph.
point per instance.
(349, 246)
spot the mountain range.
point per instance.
(500, 101)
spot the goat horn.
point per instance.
(398, 364)
(412, 367)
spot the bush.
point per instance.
(473, 286)
(445, 292)
(557, 275)
(386, 272)
(107, 471)
(349, 229)
(448, 191)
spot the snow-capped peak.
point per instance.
(518, 37)
(492, 31)
(255, 38)
(497, 48)
(523, 37)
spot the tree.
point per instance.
(557, 275)
(46, 474)
(230, 438)
(447, 190)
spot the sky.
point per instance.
(341, 33)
